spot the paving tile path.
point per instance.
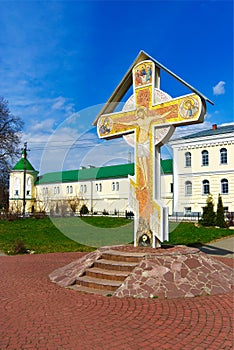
(38, 314)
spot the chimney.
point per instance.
(214, 127)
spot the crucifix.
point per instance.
(147, 121)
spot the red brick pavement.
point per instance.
(38, 314)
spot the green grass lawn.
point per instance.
(84, 234)
(38, 235)
(188, 233)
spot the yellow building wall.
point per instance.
(16, 191)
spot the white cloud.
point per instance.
(44, 126)
(219, 89)
(59, 103)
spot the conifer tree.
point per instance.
(220, 221)
(208, 215)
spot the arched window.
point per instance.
(224, 186)
(17, 186)
(205, 187)
(205, 158)
(17, 181)
(188, 159)
(29, 186)
(188, 188)
(223, 156)
(113, 186)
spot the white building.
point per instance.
(103, 189)
(203, 164)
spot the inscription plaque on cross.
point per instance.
(147, 121)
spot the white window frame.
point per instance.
(205, 158)
(188, 159)
(188, 187)
(205, 184)
(223, 155)
(224, 186)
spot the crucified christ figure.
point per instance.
(143, 122)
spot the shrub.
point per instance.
(208, 215)
(84, 210)
(19, 248)
(220, 221)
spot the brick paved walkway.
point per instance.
(38, 314)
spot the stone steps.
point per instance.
(108, 273)
(115, 265)
(116, 255)
(83, 289)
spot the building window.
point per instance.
(83, 188)
(17, 181)
(188, 188)
(45, 191)
(172, 188)
(17, 186)
(205, 158)
(56, 190)
(187, 210)
(226, 212)
(224, 186)
(99, 187)
(69, 189)
(115, 186)
(205, 187)
(188, 159)
(223, 156)
(29, 186)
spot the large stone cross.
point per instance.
(148, 120)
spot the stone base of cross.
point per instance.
(147, 121)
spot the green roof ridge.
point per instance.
(92, 173)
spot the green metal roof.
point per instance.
(108, 172)
(20, 165)
(166, 166)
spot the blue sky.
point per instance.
(61, 60)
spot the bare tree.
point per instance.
(10, 127)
